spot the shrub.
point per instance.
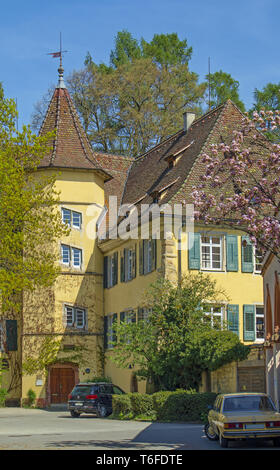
(142, 404)
(31, 397)
(122, 407)
(184, 406)
(181, 405)
(3, 396)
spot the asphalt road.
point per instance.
(28, 429)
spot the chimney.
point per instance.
(188, 120)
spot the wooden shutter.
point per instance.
(194, 250)
(141, 264)
(105, 332)
(154, 253)
(115, 319)
(232, 253)
(134, 262)
(247, 260)
(126, 260)
(105, 272)
(122, 267)
(248, 322)
(115, 272)
(11, 335)
(233, 318)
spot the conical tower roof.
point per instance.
(70, 147)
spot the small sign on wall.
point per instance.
(39, 381)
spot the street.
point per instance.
(30, 429)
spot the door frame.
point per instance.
(60, 365)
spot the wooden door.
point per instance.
(62, 381)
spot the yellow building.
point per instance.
(103, 280)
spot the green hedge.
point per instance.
(182, 405)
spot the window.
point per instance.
(214, 314)
(147, 256)
(75, 317)
(259, 322)
(128, 264)
(111, 270)
(72, 218)
(211, 252)
(71, 256)
(253, 323)
(143, 313)
(258, 258)
(109, 334)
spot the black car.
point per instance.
(93, 398)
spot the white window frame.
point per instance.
(258, 315)
(147, 256)
(71, 221)
(214, 315)
(256, 271)
(212, 245)
(74, 311)
(71, 256)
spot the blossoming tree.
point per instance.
(241, 185)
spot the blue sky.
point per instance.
(240, 37)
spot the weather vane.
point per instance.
(60, 69)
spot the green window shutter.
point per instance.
(105, 272)
(194, 250)
(105, 332)
(247, 261)
(134, 262)
(154, 253)
(11, 334)
(233, 318)
(122, 267)
(115, 281)
(232, 253)
(122, 316)
(248, 322)
(115, 319)
(141, 264)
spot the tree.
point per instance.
(268, 99)
(138, 100)
(240, 186)
(179, 340)
(222, 88)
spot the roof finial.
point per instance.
(60, 69)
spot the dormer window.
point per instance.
(174, 158)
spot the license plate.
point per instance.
(78, 403)
(254, 426)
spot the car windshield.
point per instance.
(248, 403)
(84, 390)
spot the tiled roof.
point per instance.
(70, 147)
(149, 174)
(117, 166)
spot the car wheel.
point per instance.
(223, 441)
(102, 411)
(276, 442)
(74, 414)
(210, 433)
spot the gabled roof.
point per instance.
(70, 147)
(150, 173)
